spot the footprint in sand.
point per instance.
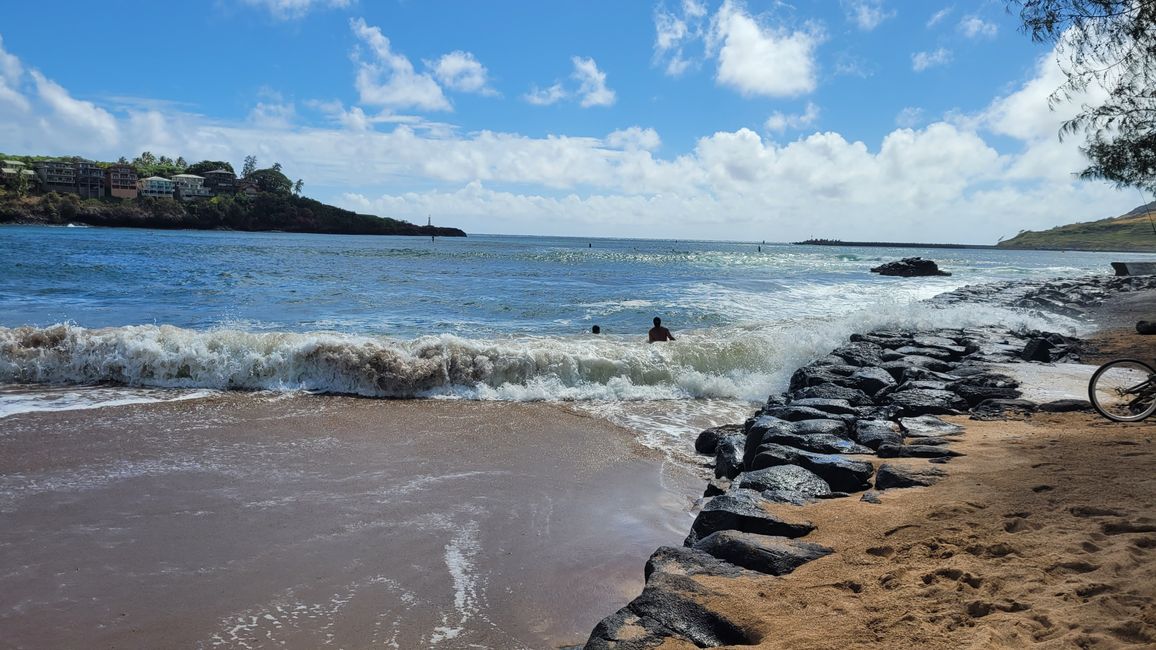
(1094, 589)
(993, 550)
(1042, 488)
(1073, 566)
(1094, 511)
(1123, 527)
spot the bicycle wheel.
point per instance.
(1123, 390)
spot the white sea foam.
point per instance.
(735, 362)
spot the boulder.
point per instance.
(916, 451)
(813, 375)
(896, 476)
(908, 350)
(716, 486)
(1001, 409)
(871, 380)
(744, 510)
(772, 555)
(673, 608)
(834, 406)
(819, 427)
(853, 396)
(923, 401)
(790, 478)
(728, 458)
(794, 413)
(859, 353)
(909, 267)
(929, 425)
(822, 443)
(708, 439)
(842, 474)
(1066, 406)
(873, 433)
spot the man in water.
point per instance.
(659, 333)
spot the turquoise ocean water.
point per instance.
(96, 316)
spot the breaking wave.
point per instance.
(744, 362)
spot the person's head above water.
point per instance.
(596, 329)
(657, 321)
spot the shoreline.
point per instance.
(931, 564)
(254, 521)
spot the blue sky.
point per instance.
(856, 119)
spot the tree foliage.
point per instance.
(271, 180)
(199, 168)
(1110, 44)
(249, 167)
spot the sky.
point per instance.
(881, 120)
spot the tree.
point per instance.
(250, 166)
(181, 162)
(199, 168)
(1109, 44)
(272, 181)
(297, 187)
(146, 158)
(276, 167)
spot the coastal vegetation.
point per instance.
(1111, 45)
(1134, 231)
(264, 200)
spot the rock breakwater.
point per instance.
(876, 397)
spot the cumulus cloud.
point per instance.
(293, 9)
(866, 14)
(461, 71)
(591, 83)
(758, 59)
(976, 27)
(943, 181)
(388, 79)
(779, 121)
(921, 61)
(634, 138)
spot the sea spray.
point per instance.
(743, 362)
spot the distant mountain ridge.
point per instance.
(1134, 231)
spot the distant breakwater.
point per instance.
(885, 244)
(877, 396)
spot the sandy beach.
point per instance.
(1042, 534)
(254, 521)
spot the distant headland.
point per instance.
(160, 192)
(883, 244)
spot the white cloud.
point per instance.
(293, 9)
(461, 71)
(938, 16)
(591, 83)
(546, 96)
(910, 117)
(11, 77)
(762, 60)
(779, 121)
(944, 181)
(921, 61)
(634, 138)
(273, 115)
(389, 79)
(976, 27)
(673, 33)
(74, 114)
(866, 14)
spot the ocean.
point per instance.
(209, 439)
(93, 317)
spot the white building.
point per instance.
(190, 186)
(156, 187)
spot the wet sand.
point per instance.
(247, 521)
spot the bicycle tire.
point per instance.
(1107, 382)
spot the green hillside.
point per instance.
(1130, 232)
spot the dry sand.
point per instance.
(1043, 535)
